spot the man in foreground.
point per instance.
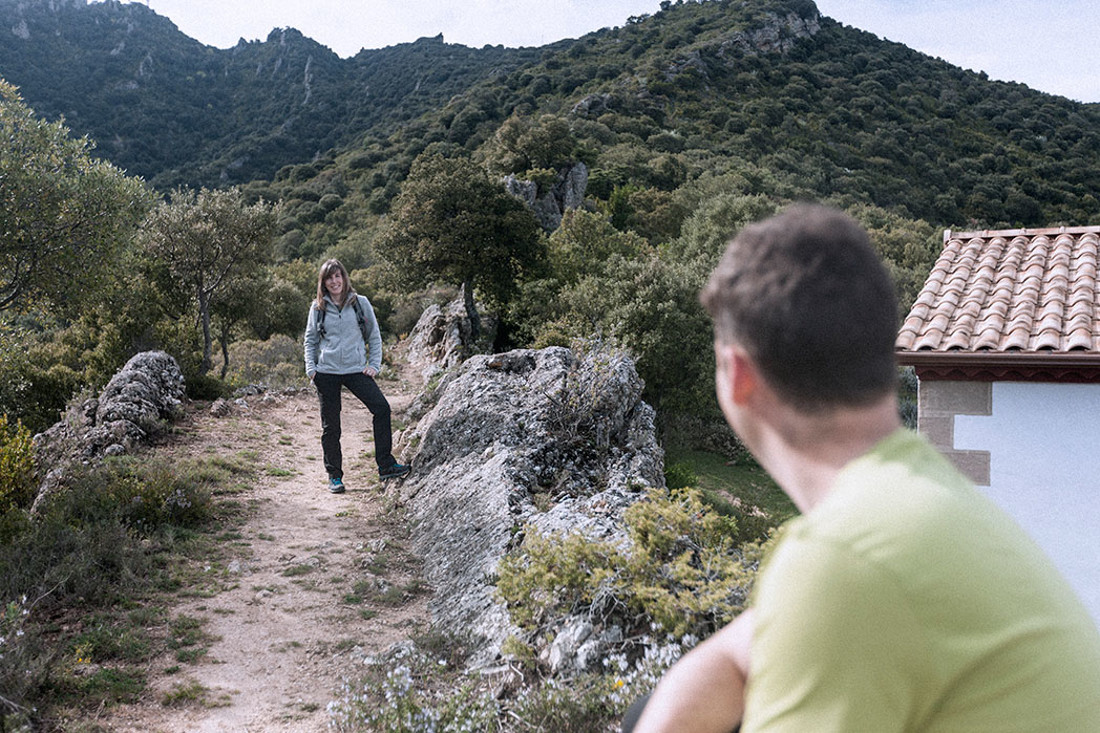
(902, 599)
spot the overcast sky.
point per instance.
(1047, 44)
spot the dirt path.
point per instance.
(310, 583)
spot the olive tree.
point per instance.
(64, 216)
(450, 223)
(208, 241)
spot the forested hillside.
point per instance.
(668, 132)
(176, 112)
(791, 104)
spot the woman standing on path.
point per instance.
(344, 348)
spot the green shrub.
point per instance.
(62, 561)
(679, 476)
(17, 474)
(24, 664)
(681, 573)
(276, 362)
(33, 389)
(397, 696)
(143, 496)
(205, 387)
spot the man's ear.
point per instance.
(744, 377)
(739, 376)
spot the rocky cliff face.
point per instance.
(566, 430)
(443, 337)
(549, 207)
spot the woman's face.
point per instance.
(334, 284)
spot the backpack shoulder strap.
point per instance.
(361, 317)
(320, 319)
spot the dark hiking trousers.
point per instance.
(364, 387)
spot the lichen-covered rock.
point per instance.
(568, 429)
(443, 338)
(132, 407)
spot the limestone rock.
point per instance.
(442, 337)
(566, 193)
(777, 34)
(507, 428)
(132, 407)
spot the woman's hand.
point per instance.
(371, 372)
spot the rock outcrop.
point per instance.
(569, 429)
(443, 338)
(776, 35)
(549, 207)
(132, 408)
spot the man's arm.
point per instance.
(704, 691)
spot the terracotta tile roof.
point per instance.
(1019, 290)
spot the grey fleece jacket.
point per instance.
(341, 350)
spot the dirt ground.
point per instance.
(284, 613)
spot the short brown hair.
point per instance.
(807, 297)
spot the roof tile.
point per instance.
(1013, 290)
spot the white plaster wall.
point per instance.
(1044, 444)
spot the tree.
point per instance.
(452, 223)
(585, 241)
(523, 143)
(64, 216)
(208, 241)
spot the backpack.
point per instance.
(360, 317)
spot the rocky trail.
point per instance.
(306, 586)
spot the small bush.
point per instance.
(142, 496)
(679, 476)
(276, 362)
(396, 697)
(205, 387)
(681, 572)
(17, 482)
(23, 664)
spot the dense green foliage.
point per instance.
(680, 573)
(452, 224)
(167, 108)
(17, 476)
(62, 213)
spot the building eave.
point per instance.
(1004, 366)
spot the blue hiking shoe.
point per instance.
(336, 485)
(397, 470)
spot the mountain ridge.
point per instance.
(177, 112)
(795, 103)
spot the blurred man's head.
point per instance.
(808, 299)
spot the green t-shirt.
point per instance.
(906, 601)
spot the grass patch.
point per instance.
(295, 571)
(279, 472)
(107, 686)
(397, 595)
(743, 491)
(109, 640)
(185, 694)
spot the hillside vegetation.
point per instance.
(156, 193)
(176, 112)
(682, 126)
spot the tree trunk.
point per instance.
(207, 339)
(471, 311)
(224, 339)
